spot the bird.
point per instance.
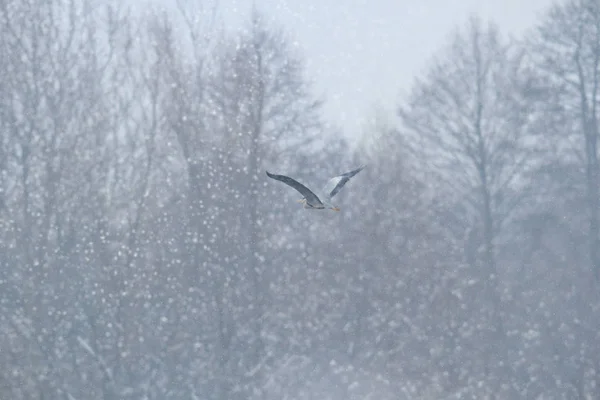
(323, 199)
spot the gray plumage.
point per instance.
(321, 201)
(336, 183)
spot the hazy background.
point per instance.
(145, 254)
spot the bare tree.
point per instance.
(566, 51)
(467, 119)
(54, 113)
(568, 55)
(262, 105)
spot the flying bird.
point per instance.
(323, 199)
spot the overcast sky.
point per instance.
(366, 52)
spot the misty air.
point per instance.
(278, 200)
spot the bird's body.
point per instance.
(322, 200)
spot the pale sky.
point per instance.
(361, 53)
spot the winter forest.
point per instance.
(144, 253)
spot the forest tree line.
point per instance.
(144, 254)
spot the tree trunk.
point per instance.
(592, 174)
(252, 231)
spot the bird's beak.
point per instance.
(335, 209)
(301, 201)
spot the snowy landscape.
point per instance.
(145, 254)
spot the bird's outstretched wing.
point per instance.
(336, 183)
(304, 191)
